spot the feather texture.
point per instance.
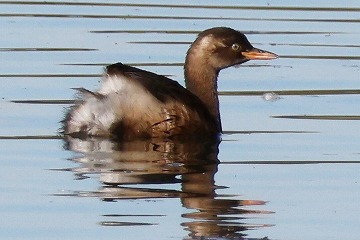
(133, 103)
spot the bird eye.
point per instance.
(235, 47)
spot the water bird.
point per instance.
(132, 103)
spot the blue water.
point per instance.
(288, 168)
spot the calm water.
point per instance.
(289, 159)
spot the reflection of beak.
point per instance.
(258, 54)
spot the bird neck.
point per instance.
(201, 80)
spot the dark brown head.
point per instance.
(222, 47)
(213, 50)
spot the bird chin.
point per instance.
(239, 63)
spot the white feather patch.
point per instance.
(120, 98)
(111, 84)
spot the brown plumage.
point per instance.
(133, 103)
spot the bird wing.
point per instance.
(181, 109)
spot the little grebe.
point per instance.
(133, 103)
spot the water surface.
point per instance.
(286, 168)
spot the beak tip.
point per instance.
(275, 56)
(259, 54)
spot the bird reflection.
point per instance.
(191, 163)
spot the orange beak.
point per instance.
(258, 54)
